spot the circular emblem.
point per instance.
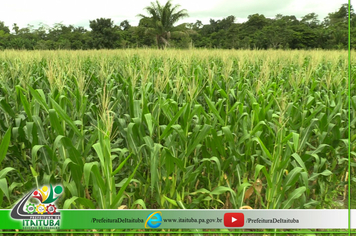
(154, 220)
(41, 209)
(30, 208)
(51, 209)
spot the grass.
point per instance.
(197, 129)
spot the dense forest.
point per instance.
(258, 32)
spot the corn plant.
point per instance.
(207, 129)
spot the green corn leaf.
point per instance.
(292, 196)
(326, 173)
(3, 172)
(121, 165)
(265, 150)
(201, 191)
(264, 171)
(202, 135)
(4, 188)
(34, 172)
(306, 134)
(167, 130)
(25, 103)
(216, 160)
(5, 144)
(171, 162)
(180, 131)
(222, 189)
(148, 118)
(295, 141)
(123, 181)
(87, 172)
(229, 136)
(101, 186)
(154, 166)
(65, 117)
(34, 153)
(291, 178)
(133, 137)
(299, 161)
(99, 151)
(85, 203)
(36, 94)
(213, 109)
(7, 108)
(171, 201)
(13, 186)
(122, 189)
(55, 123)
(139, 202)
(67, 204)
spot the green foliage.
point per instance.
(161, 20)
(159, 28)
(104, 33)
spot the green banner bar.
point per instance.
(117, 219)
(176, 219)
(7, 222)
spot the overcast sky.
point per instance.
(79, 12)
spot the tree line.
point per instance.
(157, 29)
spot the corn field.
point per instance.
(195, 129)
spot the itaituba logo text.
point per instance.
(43, 215)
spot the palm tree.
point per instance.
(161, 20)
